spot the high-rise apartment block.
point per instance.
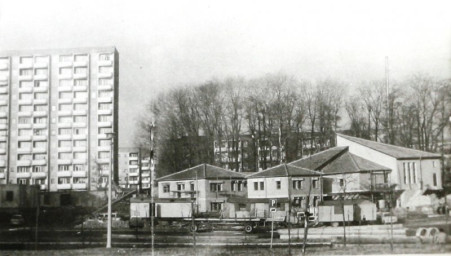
(58, 117)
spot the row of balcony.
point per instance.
(29, 126)
(35, 64)
(32, 138)
(72, 149)
(76, 174)
(78, 63)
(34, 89)
(143, 174)
(69, 88)
(71, 161)
(35, 101)
(28, 162)
(33, 77)
(75, 186)
(33, 113)
(84, 63)
(35, 175)
(30, 150)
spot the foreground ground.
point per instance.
(236, 251)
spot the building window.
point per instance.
(64, 131)
(80, 155)
(105, 106)
(297, 184)
(79, 180)
(79, 167)
(81, 82)
(166, 188)
(404, 172)
(81, 95)
(278, 184)
(65, 119)
(104, 154)
(80, 106)
(105, 70)
(315, 183)
(215, 207)
(105, 130)
(63, 180)
(80, 119)
(65, 71)
(105, 118)
(65, 95)
(342, 182)
(255, 185)
(9, 196)
(214, 187)
(79, 143)
(104, 81)
(40, 120)
(23, 169)
(105, 94)
(262, 185)
(23, 108)
(64, 167)
(24, 157)
(25, 84)
(22, 181)
(64, 107)
(105, 56)
(434, 179)
(39, 144)
(39, 182)
(40, 71)
(297, 201)
(24, 120)
(39, 168)
(65, 82)
(64, 143)
(233, 185)
(103, 143)
(79, 131)
(40, 107)
(26, 72)
(39, 156)
(81, 70)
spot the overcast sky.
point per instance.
(168, 43)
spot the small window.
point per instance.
(342, 182)
(166, 188)
(434, 179)
(315, 183)
(278, 184)
(255, 185)
(262, 185)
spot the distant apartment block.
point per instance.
(247, 154)
(58, 115)
(134, 168)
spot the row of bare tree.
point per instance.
(278, 111)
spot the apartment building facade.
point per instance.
(135, 168)
(58, 117)
(249, 154)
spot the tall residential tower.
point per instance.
(58, 117)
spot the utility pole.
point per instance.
(110, 193)
(152, 181)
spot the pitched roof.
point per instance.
(284, 170)
(338, 160)
(391, 150)
(202, 171)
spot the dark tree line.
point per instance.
(286, 118)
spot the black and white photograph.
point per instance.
(225, 127)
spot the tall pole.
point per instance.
(152, 180)
(108, 238)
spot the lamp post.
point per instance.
(110, 174)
